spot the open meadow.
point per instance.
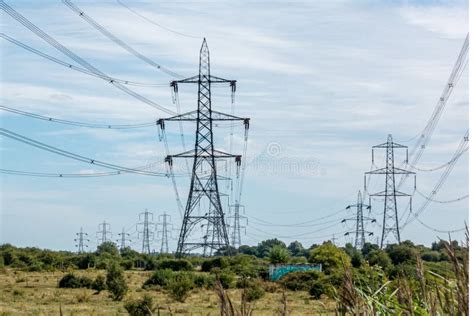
(37, 293)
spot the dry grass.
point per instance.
(34, 293)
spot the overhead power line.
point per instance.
(423, 140)
(300, 224)
(439, 167)
(445, 201)
(51, 41)
(73, 67)
(155, 23)
(70, 175)
(68, 154)
(76, 123)
(118, 41)
(439, 230)
(463, 145)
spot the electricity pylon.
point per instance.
(235, 236)
(104, 234)
(165, 222)
(360, 220)
(81, 237)
(146, 232)
(204, 184)
(123, 239)
(390, 228)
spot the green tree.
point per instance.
(331, 257)
(107, 247)
(115, 282)
(380, 258)
(296, 249)
(248, 250)
(401, 253)
(264, 247)
(279, 254)
(368, 247)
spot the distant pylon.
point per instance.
(235, 236)
(165, 222)
(204, 178)
(123, 239)
(360, 231)
(81, 239)
(146, 232)
(104, 234)
(390, 228)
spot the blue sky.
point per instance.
(322, 82)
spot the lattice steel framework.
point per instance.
(360, 220)
(204, 178)
(81, 241)
(390, 228)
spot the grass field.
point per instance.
(37, 293)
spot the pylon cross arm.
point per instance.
(193, 116)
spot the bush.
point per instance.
(204, 281)
(317, 289)
(159, 278)
(226, 278)
(141, 307)
(300, 281)
(99, 284)
(253, 291)
(180, 286)
(219, 262)
(175, 265)
(246, 266)
(71, 281)
(116, 284)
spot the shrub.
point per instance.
(127, 264)
(300, 281)
(298, 260)
(159, 278)
(99, 284)
(141, 307)
(219, 262)
(204, 281)
(85, 261)
(175, 265)
(116, 284)
(180, 286)
(72, 281)
(253, 291)
(226, 278)
(317, 289)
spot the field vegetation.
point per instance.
(404, 279)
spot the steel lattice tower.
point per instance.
(81, 237)
(204, 179)
(360, 231)
(164, 222)
(146, 232)
(123, 239)
(390, 228)
(236, 239)
(104, 232)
